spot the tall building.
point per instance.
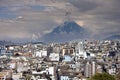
(67, 51)
(93, 67)
(79, 51)
(90, 69)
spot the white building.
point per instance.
(64, 77)
(79, 51)
(40, 53)
(112, 71)
(88, 72)
(12, 65)
(16, 76)
(90, 69)
(54, 56)
(93, 68)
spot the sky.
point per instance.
(32, 19)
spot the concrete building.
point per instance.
(54, 56)
(40, 53)
(64, 77)
(79, 51)
(93, 67)
(90, 69)
(67, 51)
(16, 76)
(67, 58)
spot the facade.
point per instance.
(67, 51)
(79, 51)
(90, 69)
(54, 56)
(64, 78)
(40, 53)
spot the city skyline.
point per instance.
(32, 19)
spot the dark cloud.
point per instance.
(84, 5)
(37, 17)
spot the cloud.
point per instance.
(102, 20)
(84, 5)
(31, 17)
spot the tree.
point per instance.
(118, 76)
(102, 76)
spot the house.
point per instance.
(16, 76)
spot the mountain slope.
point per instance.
(68, 31)
(113, 37)
(6, 43)
(68, 27)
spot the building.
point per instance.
(54, 56)
(79, 51)
(40, 53)
(67, 51)
(90, 69)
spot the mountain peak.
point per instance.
(68, 26)
(67, 31)
(69, 22)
